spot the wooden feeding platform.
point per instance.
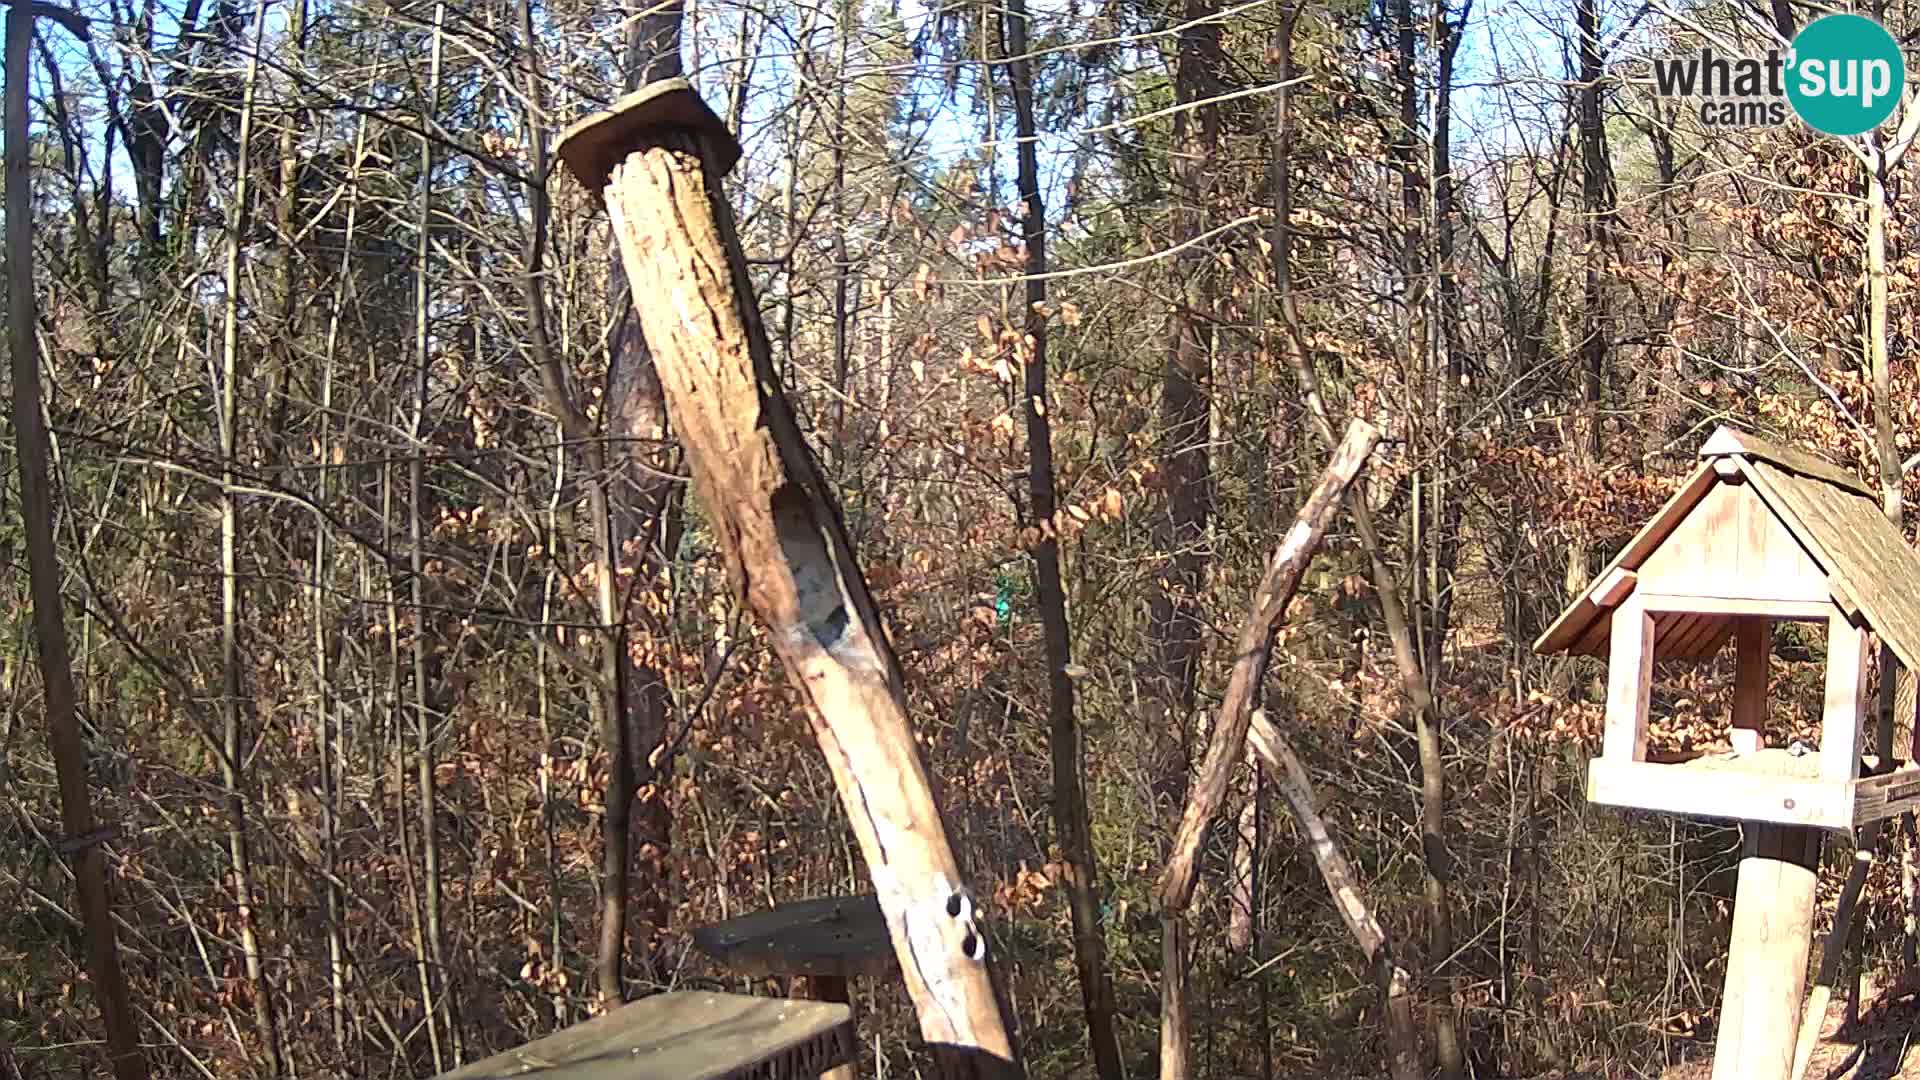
(686, 1036)
(827, 941)
(1771, 784)
(1757, 534)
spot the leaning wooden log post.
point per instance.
(657, 159)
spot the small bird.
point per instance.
(1799, 749)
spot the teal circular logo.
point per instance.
(1845, 74)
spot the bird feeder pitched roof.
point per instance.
(1807, 523)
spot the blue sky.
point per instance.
(1515, 42)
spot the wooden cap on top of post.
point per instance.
(834, 937)
(593, 145)
(829, 941)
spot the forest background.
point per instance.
(412, 686)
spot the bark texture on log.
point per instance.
(789, 557)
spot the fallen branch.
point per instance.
(1255, 647)
(1390, 979)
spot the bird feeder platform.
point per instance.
(1767, 785)
(827, 941)
(839, 937)
(686, 1036)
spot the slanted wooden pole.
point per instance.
(660, 154)
(1772, 906)
(1228, 744)
(83, 839)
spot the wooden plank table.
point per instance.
(686, 1036)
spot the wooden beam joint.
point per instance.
(1615, 587)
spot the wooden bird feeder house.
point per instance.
(1757, 534)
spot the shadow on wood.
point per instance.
(834, 937)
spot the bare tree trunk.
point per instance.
(233, 748)
(395, 753)
(1413, 678)
(1595, 328)
(1185, 473)
(641, 513)
(1441, 542)
(1174, 620)
(64, 739)
(1071, 822)
(1252, 651)
(329, 747)
(423, 697)
(842, 269)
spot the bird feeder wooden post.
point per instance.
(657, 158)
(1757, 534)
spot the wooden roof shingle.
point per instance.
(1873, 574)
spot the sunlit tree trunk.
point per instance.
(234, 749)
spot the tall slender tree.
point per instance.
(1072, 823)
(1180, 533)
(82, 843)
(642, 530)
